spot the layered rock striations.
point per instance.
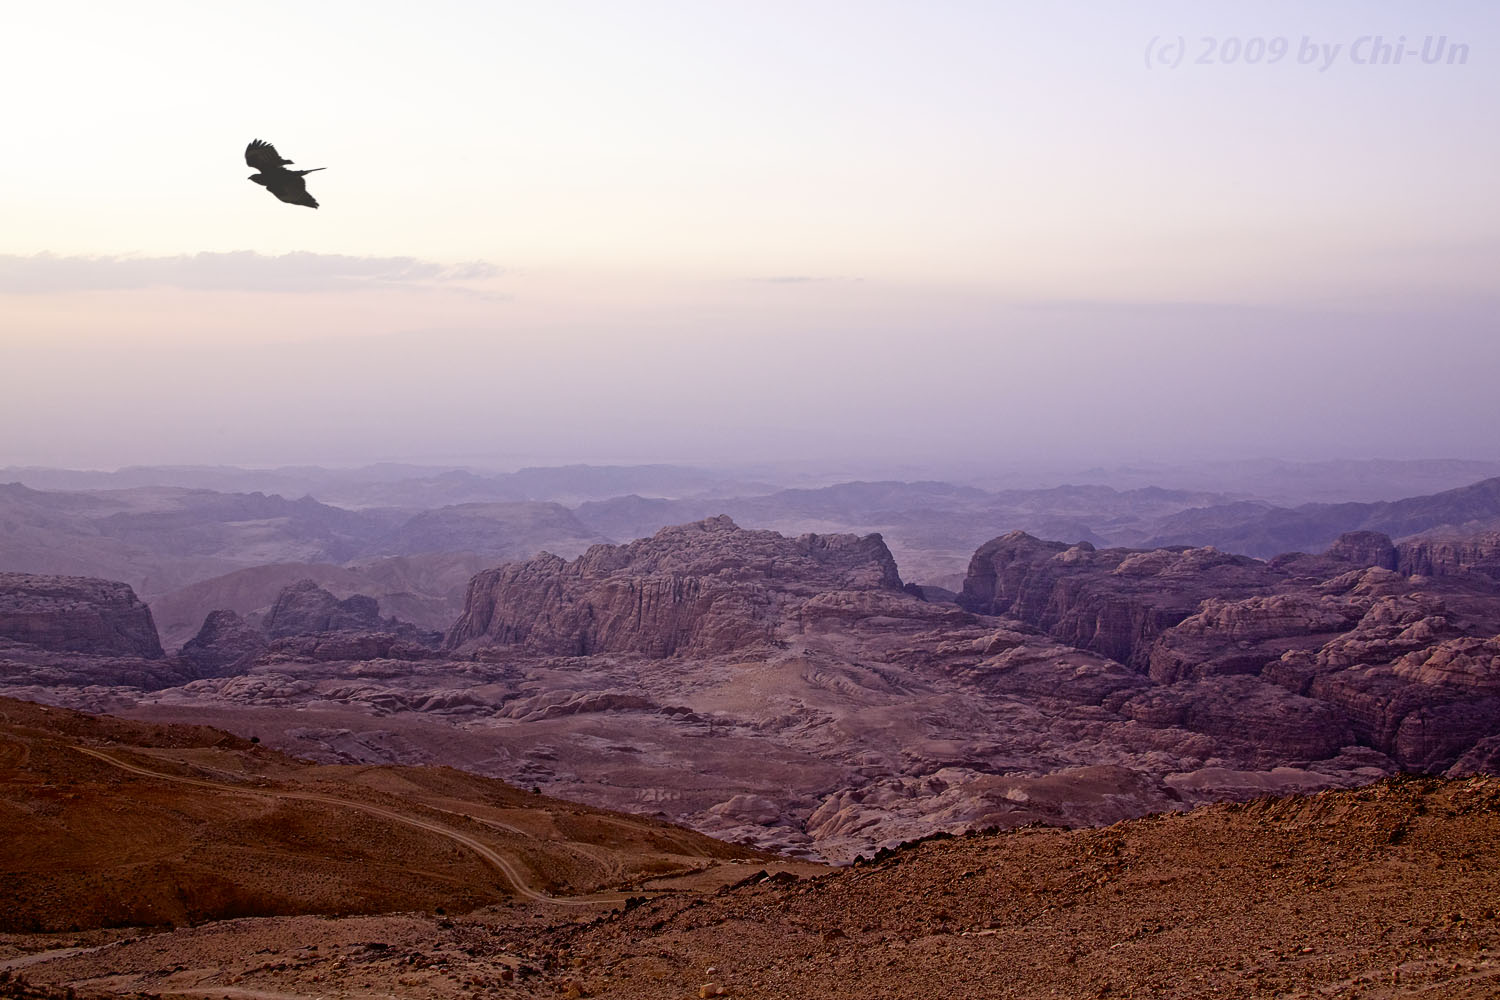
(1403, 664)
(700, 589)
(1114, 602)
(1443, 556)
(75, 631)
(75, 614)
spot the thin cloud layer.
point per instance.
(240, 270)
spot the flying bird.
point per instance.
(285, 184)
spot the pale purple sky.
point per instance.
(708, 231)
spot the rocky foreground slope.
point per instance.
(110, 823)
(1388, 891)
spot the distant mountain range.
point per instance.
(1266, 531)
(170, 541)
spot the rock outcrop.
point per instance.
(1363, 548)
(1449, 556)
(225, 645)
(1114, 602)
(792, 693)
(702, 589)
(1307, 653)
(305, 608)
(306, 623)
(76, 614)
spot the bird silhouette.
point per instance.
(285, 184)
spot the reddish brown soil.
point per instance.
(1387, 891)
(108, 823)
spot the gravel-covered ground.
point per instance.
(1386, 891)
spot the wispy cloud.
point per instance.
(240, 270)
(800, 279)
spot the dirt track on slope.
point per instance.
(518, 880)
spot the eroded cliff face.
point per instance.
(1408, 665)
(76, 614)
(1479, 554)
(696, 589)
(1115, 602)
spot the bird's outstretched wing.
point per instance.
(263, 156)
(291, 188)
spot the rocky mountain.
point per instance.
(309, 623)
(1285, 483)
(65, 631)
(164, 541)
(1114, 602)
(1313, 527)
(1403, 664)
(225, 645)
(498, 531)
(78, 632)
(1444, 555)
(160, 539)
(701, 588)
(304, 608)
(391, 484)
(931, 527)
(168, 544)
(426, 590)
(791, 693)
(70, 614)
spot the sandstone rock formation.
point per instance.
(1406, 665)
(305, 608)
(1363, 548)
(307, 623)
(1446, 556)
(1114, 602)
(226, 644)
(701, 589)
(426, 590)
(789, 692)
(76, 615)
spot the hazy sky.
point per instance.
(705, 230)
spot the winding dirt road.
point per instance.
(501, 863)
